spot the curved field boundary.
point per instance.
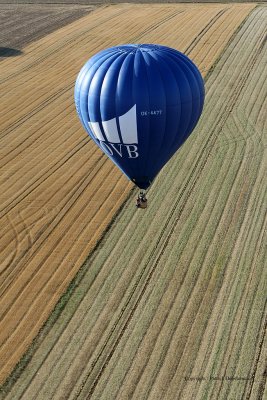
(52, 176)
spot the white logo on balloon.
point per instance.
(128, 128)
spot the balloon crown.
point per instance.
(133, 48)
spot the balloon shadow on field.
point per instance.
(9, 52)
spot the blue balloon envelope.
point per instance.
(139, 103)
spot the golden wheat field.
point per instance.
(99, 300)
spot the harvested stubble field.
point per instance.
(170, 304)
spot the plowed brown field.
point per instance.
(58, 192)
(24, 23)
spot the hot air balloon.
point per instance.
(139, 103)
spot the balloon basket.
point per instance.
(141, 201)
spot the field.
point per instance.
(169, 304)
(24, 23)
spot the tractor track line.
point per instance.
(203, 32)
(56, 221)
(42, 179)
(189, 261)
